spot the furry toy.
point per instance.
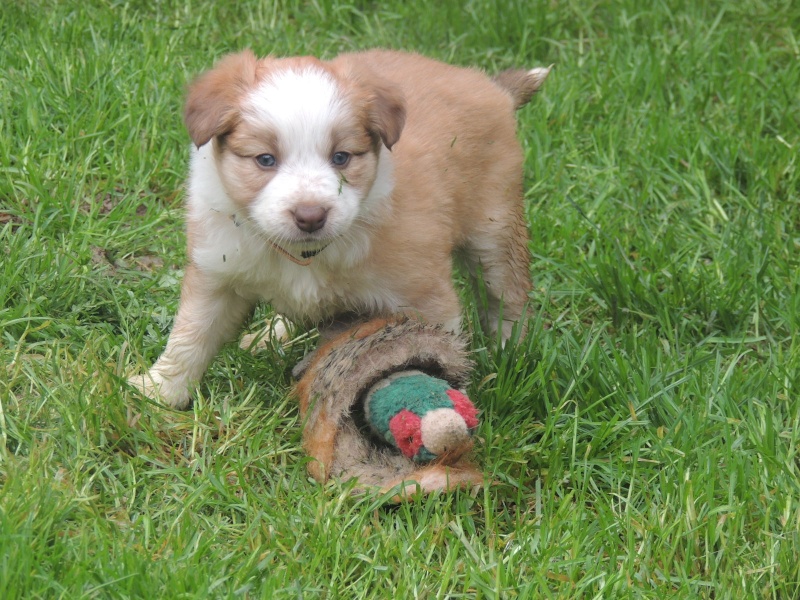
(381, 403)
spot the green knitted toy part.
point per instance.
(421, 416)
(417, 393)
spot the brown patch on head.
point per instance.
(236, 152)
(242, 178)
(351, 134)
(212, 104)
(253, 140)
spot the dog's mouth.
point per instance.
(313, 252)
(306, 255)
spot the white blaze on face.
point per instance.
(300, 108)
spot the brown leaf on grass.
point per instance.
(110, 200)
(108, 204)
(102, 258)
(148, 262)
(10, 218)
(107, 201)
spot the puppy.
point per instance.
(345, 188)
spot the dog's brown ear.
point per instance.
(521, 84)
(387, 111)
(212, 102)
(383, 101)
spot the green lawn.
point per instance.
(645, 435)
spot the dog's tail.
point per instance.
(520, 84)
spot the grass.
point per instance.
(644, 436)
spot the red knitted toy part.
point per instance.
(406, 427)
(464, 407)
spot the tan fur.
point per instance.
(457, 172)
(458, 168)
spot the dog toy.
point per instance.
(420, 415)
(372, 409)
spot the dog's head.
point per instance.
(297, 141)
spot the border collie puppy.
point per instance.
(344, 188)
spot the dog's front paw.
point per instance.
(161, 389)
(278, 329)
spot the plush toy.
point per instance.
(420, 415)
(381, 403)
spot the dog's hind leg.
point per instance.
(496, 251)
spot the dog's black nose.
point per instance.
(309, 217)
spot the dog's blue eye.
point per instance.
(266, 160)
(340, 159)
